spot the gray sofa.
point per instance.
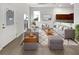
(30, 46)
(55, 42)
(69, 34)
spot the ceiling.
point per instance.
(50, 5)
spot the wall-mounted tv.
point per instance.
(69, 18)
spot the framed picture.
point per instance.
(9, 17)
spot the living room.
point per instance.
(50, 29)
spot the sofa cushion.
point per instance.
(30, 46)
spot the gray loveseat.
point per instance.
(55, 42)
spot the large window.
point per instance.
(36, 15)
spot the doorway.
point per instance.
(25, 22)
(36, 18)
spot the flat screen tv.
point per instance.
(69, 18)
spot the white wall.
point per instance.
(76, 14)
(43, 11)
(51, 11)
(11, 32)
(62, 10)
(21, 9)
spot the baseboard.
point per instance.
(11, 41)
(19, 34)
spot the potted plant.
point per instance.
(77, 32)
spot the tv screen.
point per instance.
(65, 17)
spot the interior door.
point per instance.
(0, 34)
(1, 31)
(7, 30)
